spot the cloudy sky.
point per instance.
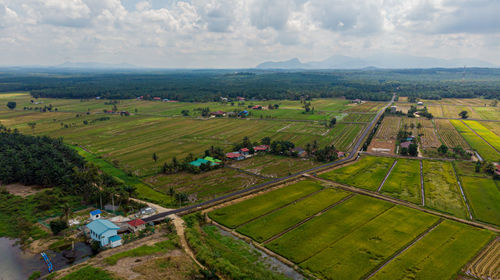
(230, 34)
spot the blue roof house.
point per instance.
(96, 214)
(104, 232)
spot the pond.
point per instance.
(17, 264)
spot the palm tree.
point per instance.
(66, 211)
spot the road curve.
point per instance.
(351, 155)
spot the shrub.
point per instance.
(57, 226)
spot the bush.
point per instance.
(35, 275)
(57, 226)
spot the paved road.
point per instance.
(352, 154)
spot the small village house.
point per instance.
(393, 109)
(244, 151)
(96, 214)
(300, 152)
(218, 114)
(235, 156)
(261, 148)
(104, 232)
(239, 98)
(420, 103)
(356, 101)
(157, 98)
(340, 154)
(136, 225)
(405, 144)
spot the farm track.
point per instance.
(402, 250)
(307, 219)
(480, 137)
(422, 190)
(352, 156)
(407, 204)
(463, 193)
(387, 175)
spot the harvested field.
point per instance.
(476, 142)
(370, 245)
(344, 135)
(276, 222)
(366, 173)
(449, 135)
(438, 255)
(274, 166)
(435, 110)
(404, 181)
(366, 106)
(484, 198)
(237, 214)
(318, 233)
(441, 188)
(487, 264)
(488, 113)
(385, 139)
(353, 117)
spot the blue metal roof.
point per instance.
(95, 212)
(101, 226)
(115, 238)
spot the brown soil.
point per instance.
(381, 146)
(169, 267)
(22, 190)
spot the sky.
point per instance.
(239, 34)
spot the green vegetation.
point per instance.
(143, 250)
(441, 188)
(239, 213)
(438, 255)
(274, 166)
(484, 198)
(404, 181)
(276, 222)
(370, 245)
(367, 173)
(485, 133)
(89, 273)
(318, 233)
(478, 144)
(230, 257)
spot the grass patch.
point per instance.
(318, 233)
(438, 255)
(370, 245)
(239, 213)
(274, 223)
(484, 198)
(441, 188)
(367, 173)
(478, 144)
(143, 250)
(404, 181)
(89, 273)
(274, 166)
(485, 133)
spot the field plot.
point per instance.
(435, 110)
(366, 173)
(476, 142)
(449, 135)
(368, 246)
(237, 214)
(487, 264)
(354, 117)
(488, 113)
(344, 135)
(452, 111)
(441, 188)
(366, 107)
(484, 198)
(274, 166)
(269, 225)
(385, 138)
(427, 134)
(404, 181)
(309, 238)
(485, 133)
(206, 185)
(438, 255)
(493, 126)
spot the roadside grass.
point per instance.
(242, 212)
(485, 133)
(206, 185)
(484, 198)
(306, 240)
(367, 173)
(404, 181)
(274, 166)
(89, 273)
(478, 144)
(143, 250)
(438, 255)
(370, 245)
(467, 168)
(228, 256)
(143, 191)
(441, 188)
(276, 222)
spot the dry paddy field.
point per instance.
(449, 135)
(385, 138)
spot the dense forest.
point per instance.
(210, 85)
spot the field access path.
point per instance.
(352, 155)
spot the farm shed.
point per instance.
(136, 225)
(261, 148)
(235, 156)
(201, 161)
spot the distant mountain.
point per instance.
(95, 65)
(392, 61)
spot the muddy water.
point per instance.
(16, 264)
(273, 263)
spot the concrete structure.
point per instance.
(104, 232)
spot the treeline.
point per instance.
(210, 85)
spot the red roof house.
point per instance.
(157, 98)
(257, 107)
(340, 154)
(236, 156)
(136, 225)
(261, 148)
